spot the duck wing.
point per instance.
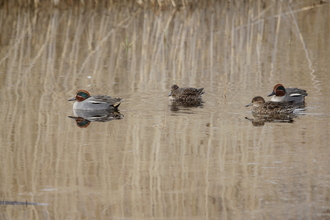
(294, 92)
(279, 107)
(191, 91)
(103, 99)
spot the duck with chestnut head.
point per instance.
(281, 94)
(84, 101)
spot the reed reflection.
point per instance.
(26, 203)
(210, 164)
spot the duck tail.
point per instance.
(200, 91)
(117, 102)
(116, 105)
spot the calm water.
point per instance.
(162, 161)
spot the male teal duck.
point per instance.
(84, 101)
(281, 94)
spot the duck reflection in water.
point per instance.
(185, 105)
(260, 120)
(271, 112)
(84, 118)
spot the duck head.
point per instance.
(173, 88)
(256, 101)
(81, 95)
(278, 90)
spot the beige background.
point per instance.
(207, 162)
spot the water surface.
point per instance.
(162, 161)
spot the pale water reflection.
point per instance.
(158, 160)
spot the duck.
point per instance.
(84, 101)
(185, 94)
(281, 94)
(270, 107)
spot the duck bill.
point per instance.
(248, 104)
(273, 93)
(170, 94)
(73, 99)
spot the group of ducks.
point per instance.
(284, 100)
